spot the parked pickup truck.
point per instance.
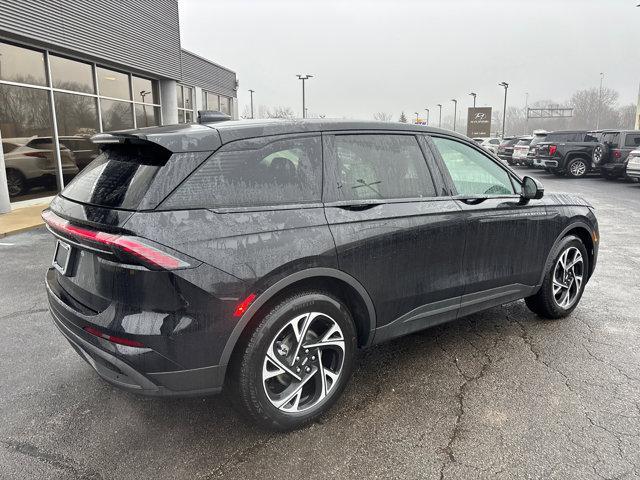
(567, 152)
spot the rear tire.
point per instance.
(562, 286)
(279, 383)
(577, 168)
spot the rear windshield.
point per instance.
(566, 137)
(524, 141)
(119, 177)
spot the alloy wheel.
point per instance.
(303, 362)
(567, 277)
(578, 168)
(15, 184)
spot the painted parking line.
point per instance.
(7, 244)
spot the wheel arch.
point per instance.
(580, 229)
(334, 281)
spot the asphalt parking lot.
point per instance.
(499, 394)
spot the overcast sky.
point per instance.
(369, 56)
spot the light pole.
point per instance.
(251, 93)
(303, 78)
(455, 112)
(599, 101)
(427, 115)
(143, 94)
(526, 112)
(440, 115)
(505, 85)
(474, 99)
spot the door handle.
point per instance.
(359, 206)
(472, 200)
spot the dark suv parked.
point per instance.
(567, 152)
(505, 149)
(261, 254)
(612, 152)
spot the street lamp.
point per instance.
(144, 93)
(504, 108)
(440, 115)
(251, 93)
(455, 112)
(526, 112)
(427, 115)
(599, 101)
(474, 99)
(303, 78)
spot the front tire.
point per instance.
(297, 361)
(564, 281)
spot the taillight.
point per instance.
(113, 339)
(616, 153)
(36, 154)
(552, 149)
(133, 246)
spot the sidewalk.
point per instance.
(21, 219)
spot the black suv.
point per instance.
(261, 254)
(567, 152)
(612, 152)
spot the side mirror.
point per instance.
(532, 189)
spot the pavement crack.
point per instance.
(51, 458)
(460, 395)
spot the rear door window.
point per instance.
(256, 172)
(632, 140)
(380, 166)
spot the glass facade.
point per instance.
(185, 104)
(38, 88)
(212, 101)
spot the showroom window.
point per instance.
(185, 104)
(213, 101)
(38, 90)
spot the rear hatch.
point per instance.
(95, 254)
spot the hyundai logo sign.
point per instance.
(479, 122)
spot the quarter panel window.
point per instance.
(255, 172)
(632, 140)
(472, 172)
(381, 166)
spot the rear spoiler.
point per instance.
(174, 138)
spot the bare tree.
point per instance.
(627, 114)
(246, 112)
(588, 104)
(382, 116)
(280, 112)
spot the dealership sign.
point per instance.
(479, 122)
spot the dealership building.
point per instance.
(71, 69)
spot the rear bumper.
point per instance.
(633, 171)
(613, 168)
(124, 367)
(544, 163)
